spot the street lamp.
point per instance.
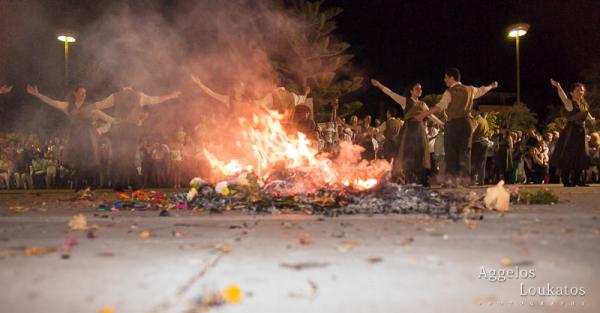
(66, 38)
(516, 31)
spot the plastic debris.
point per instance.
(304, 240)
(86, 194)
(39, 251)
(375, 259)
(69, 244)
(123, 196)
(304, 265)
(224, 248)
(18, 209)
(145, 235)
(405, 241)
(497, 198)
(78, 222)
(232, 294)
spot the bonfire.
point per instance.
(269, 152)
(277, 172)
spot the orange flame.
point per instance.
(267, 149)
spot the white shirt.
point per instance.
(447, 97)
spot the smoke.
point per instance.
(156, 47)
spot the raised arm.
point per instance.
(150, 100)
(479, 92)
(440, 106)
(5, 89)
(219, 97)
(396, 97)
(60, 105)
(563, 96)
(99, 115)
(436, 120)
(108, 102)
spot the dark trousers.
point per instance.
(457, 146)
(124, 145)
(572, 177)
(478, 162)
(554, 179)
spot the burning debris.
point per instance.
(276, 171)
(246, 192)
(279, 156)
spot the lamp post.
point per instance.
(516, 31)
(66, 38)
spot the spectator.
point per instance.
(51, 170)
(38, 170)
(6, 171)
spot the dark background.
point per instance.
(396, 42)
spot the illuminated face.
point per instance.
(416, 91)
(79, 94)
(578, 93)
(448, 80)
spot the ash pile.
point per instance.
(248, 194)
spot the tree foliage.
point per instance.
(314, 58)
(494, 120)
(519, 117)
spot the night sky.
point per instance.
(403, 41)
(396, 42)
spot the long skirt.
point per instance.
(81, 152)
(412, 158)
(572, 151)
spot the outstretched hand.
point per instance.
(33, 90)
(494, 84)
(306, 91)
(196, 79)
(419, 117)
(175, 94)
(554, 83)
(376, 83)
(5, 89)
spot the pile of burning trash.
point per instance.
(270, 170)
(248, 193)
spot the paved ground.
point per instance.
(298, 263)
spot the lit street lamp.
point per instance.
(66, 38)
(516, 31)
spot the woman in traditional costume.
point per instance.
(571, 154)
(81, 153)
(412, 162)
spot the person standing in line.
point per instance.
(480, 144)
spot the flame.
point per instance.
(267, 150)
(365, 184)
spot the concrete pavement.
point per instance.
(299, 263)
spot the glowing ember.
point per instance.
(268, 151)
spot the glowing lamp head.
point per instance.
(518, 30)
(66, 38)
